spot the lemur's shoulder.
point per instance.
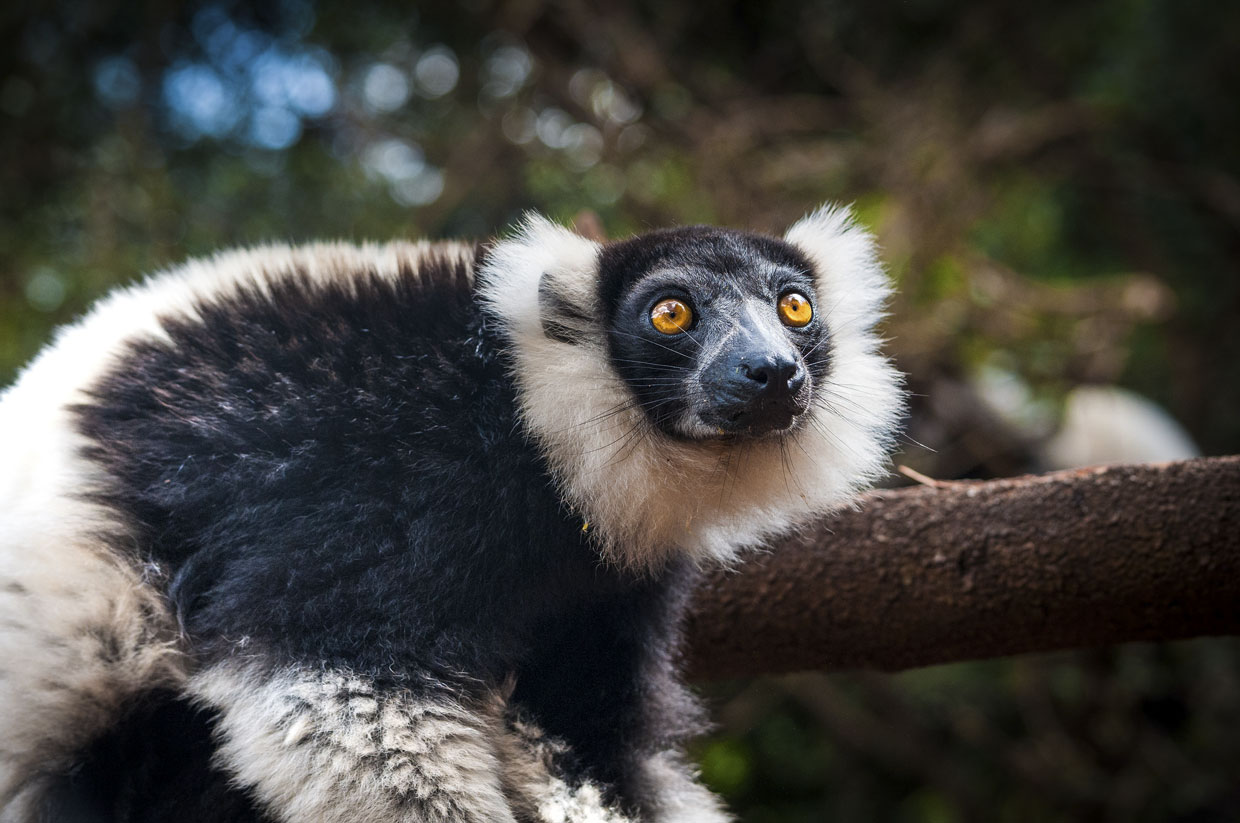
(83, 350)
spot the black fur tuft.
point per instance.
(155, 766)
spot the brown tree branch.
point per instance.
(964, 571)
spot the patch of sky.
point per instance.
(45, 290)
(117, 82)
(393, 159)
(298, 81)
(274, 127)
(200, 101)
(551, 126)
(436, 72)
(594, 89)
(402, 165)
(421, 190)
(506, 71)
(385, 88)
(249, 87)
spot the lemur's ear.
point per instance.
(543, 280)
(562, 318)
(846, 266)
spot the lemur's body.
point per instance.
(302, 488)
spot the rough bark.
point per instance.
(970, 570)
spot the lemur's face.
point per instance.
(719, 334)
(643, 367)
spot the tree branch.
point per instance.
(969, 570)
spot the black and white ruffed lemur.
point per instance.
(403, 532)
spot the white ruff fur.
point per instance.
(328, 747)
(649, 496)
(539, 792)
(74, 613)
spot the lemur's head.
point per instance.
(714, 331)
(699, 388)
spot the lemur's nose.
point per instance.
(772, 377)
(757, 390)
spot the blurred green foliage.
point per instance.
(1056, 187)
(1139, 733)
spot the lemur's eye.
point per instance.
(671, 316)
(795, 310)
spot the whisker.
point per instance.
(785, 469)
(653, 365)
(654, 343)
(637, 434)
(830, 327)
(613, 411)
(728, 457)
(691, 337)
(910, 439)
(729, 482)
(720, 466)
(627, 433)
(856, 393)
(826, 399)
(840, 444)
(797, 442)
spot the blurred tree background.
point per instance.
(1056, 188)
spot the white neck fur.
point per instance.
(648, 496)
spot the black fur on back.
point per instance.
(333, 473)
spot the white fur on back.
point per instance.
(648, 495)
(539, 790)
(328, 747)
(82, 628)
(681, 798)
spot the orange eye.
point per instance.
(671, 316)
(795, 310)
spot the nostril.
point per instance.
(758, 374)
(796, 381)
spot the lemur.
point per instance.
(403, 532)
